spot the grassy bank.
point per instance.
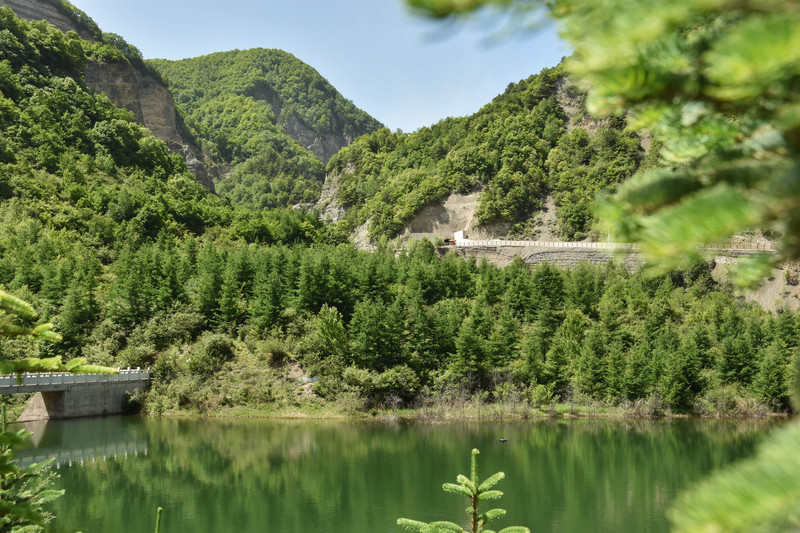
(438, 409)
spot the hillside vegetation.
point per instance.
(267, 113)
(82, 184)
(109, 236)
(517, 150)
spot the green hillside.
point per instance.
(110, 238)
(245, 106)
(83, 186)
(517, 149)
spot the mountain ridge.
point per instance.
(117, 69)
(529, 155)
(126, 83)
(273, 118)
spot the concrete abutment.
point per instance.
(78, 400)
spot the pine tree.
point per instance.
(636, 379)
(237, 280)
(614, 370)
(376, 335)
(471, 360)
(268, 297)
(210, 267)
(533, 347)
(682, 380)
(502, 344)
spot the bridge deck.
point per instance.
(60, 381)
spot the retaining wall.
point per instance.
(572, 256)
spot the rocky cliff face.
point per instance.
(572, 103)
(37, 10)
(142, 94)
(127, 86)
(456, 212)
(324, 145)
(329, 206)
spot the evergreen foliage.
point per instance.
(716, 83)
(24, 491)
(476, 491)
(137, 265)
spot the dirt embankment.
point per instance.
(780, 291)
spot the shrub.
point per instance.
(399, 382)
(140, 356)
(209, 354)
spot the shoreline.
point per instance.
(472, 413)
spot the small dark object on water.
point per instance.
(503, 441)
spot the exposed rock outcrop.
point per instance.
(571, 101)
(127, 86)
(328, 205)
(456, 212)
(322, 145)
(118, 82)
(37, 10)
(150, 101)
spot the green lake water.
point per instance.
(244, 476)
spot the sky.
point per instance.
(404, 70)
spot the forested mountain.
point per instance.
(116, 68)
(107, 234)
(518, 150)
(83, 185)
(270, 115)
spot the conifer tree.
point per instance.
(771, 382)
(210, 267)
(268, 295)
(590, 366)
(502, 345)
(476, 491)
(682, 380)
(614, 370)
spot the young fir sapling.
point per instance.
(476, 492)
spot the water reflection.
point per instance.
(81, 441)
(292, 476)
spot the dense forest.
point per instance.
(109, 236)
(242, 106)
(243, 306)
(517, 150)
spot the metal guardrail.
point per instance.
(549, 244)
(603, 245)
(31, 381)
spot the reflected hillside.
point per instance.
(239, 475)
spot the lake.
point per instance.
(245, 476)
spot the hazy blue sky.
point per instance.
(405, 71)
